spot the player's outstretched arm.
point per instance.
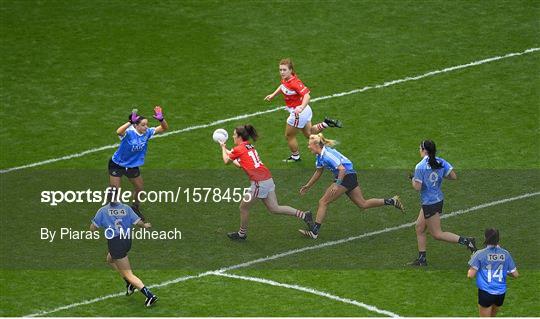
(158, 115)
(273, 95)
(304, 189)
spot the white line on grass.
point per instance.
(288, 253)
(311, 291)
(373, 233)
(243, 116)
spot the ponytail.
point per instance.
(321, 140)
(246, 132)
(431, 150)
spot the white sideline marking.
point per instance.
(287, 253)
(243, 116)
(373, 233)
(311, 291)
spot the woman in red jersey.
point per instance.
(297, 97)
(245, 156)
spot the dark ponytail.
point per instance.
(431, 150)
(246, 132)
(492, 237)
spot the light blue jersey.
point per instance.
(493, 263)
(331, 159)
(431, 180)
(133, 148)
(113, 217)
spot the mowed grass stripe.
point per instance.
(287, 253)
(248, 115)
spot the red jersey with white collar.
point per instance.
(293, 91)
(248, 158)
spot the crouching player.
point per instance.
(245, 156)
(491, 265)
(114, 218)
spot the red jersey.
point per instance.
(293, 90)
(251, 163)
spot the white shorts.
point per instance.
(263, 188)
(301, 119)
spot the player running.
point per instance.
(427, 178)
(245, 156)
(116, 220)
(297, 97)
(134, 136)
(491, 265)
(345, 181)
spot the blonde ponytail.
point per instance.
(321, 140)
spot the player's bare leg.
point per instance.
(290, 135)
(125, 270)
(494, 310)
(138, 186)
(420, 228)
(308, 130)
(357, 197)
(421, 239)
(130, 288)
(115, 181)
(485, 311)
(244, 219)
(271, 203)
(329, 196)
(111, 262)
(434, 228)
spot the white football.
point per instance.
(220, 135)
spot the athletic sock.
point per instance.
(321, 126)
(147, 292)
(295, 155)
(316, 228)
(242, 232)
(422, 255)
(463, 240)
(300, 214)
(389, 201)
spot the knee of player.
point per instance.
(323, 202)
(437, 235)
(362, 204)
